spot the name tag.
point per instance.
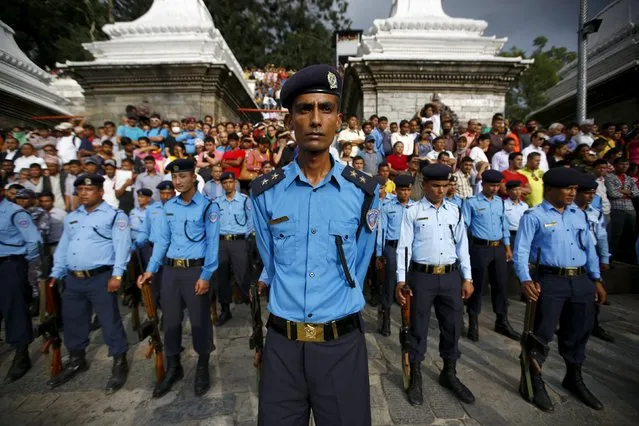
(550, 224)
(169, 214)
(509, 210)
(422, 218)
(481, 210)
(72, 222)
(278, 220)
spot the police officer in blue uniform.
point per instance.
(387, 238)
(314, 221)
(451, 195)
(137, 217)
(188, 235)
(568, 281)
(92, 254)
(20, 241)
(586, 194)
(484, 215)
(236, 225)
(433, 237)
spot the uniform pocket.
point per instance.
(284, 241)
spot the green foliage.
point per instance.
(527, 94)
(128, 10)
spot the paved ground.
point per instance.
(490, 368)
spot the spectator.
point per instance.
(36, 182)
(621, 188)
(27, 158)
(130, 129)
(345, 158)
(447, 135)
(11, 150)
(232, 160)
(600, 170)
(472, 131)
(383, 171)
(516, 129)
(536, 141)
(109, 184)
(583, 159)
(496, 134)
(586, 135)
(56, 181)
(353, 135)
(534, 175)
(408, 143)
(149, 179)
(68, 144)
(515, 163)
(157, 134)
(190, 135)
(478, 153)
(40, 139)
(124, 192)
(500, 159)
(465, 178)
(424, 145)
(398, 160)
(73, 169)
(256, 157)
(372, 159)
(558, 153)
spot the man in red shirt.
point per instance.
(515, 161)
(232, 159)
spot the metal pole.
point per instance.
(582, 63)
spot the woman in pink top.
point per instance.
(256, 157)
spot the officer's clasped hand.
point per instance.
(531, 290)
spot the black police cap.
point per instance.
(513, 184)
(492, 176)
(562, 177)
(89, 180)
(181, 165)
(25, 193)
(437, 172)
(165, 184)
(588, 183)
(227, 175)
(403, 181)
(319, 78)
(145, 191)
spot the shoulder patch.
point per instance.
(360, 179)
(121, 224)
(372, 217)
(214, 215)
(265, 182)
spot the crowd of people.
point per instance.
(268, 85)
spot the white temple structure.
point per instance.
(172, 58)
(419, 51)
(25, 89)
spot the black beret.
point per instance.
(145, 191)
(437, 172)
(25, 193)
(182, 165)
(513, 184)
(588, 183)
(381, 180)
(89, 179)
(492, 176)
(319, 78)
(562, 177)
(227, 175)
(165, 184)
(403, 181)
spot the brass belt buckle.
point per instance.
(228, 237)
(439, 269)
(493, 243)
(310, 332)
(79, 274)
(571, 272)
(179, 263)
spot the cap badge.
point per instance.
(332, 80)
(176, 168)
(87, 181)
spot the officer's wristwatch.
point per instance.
(117, 277)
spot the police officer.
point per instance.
(236, 224)
(586, 193)
(188, 235)
(93, 253)
(484, 215)
(564, 291)
(433, 237)
(314, 221)
(388, 237)
(451, 194)
(514, 208)
(137, 217)
(19, 245)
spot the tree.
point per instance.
(128, 10)
(527, 94)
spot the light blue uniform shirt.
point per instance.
(213, 189)
(94, 239)
(456, 200)
(514, 212)
(18, 233)
(152, 217)
(137, 217)
(390, 223)
(236, 216)
(433, 236)
(188, 231)
(296, 226)
(485, 218)
(564, 241)
(598, 233)
(189, 141)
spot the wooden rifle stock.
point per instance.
(403, 333)
(529, 365)
(155, 340)
(51, 330)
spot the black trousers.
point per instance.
(489, 261)
(443, 292)
(569, 302)
(234, 257)
(331, 378)
(15, 296)
(178, 291)
(390, 277)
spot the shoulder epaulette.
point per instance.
(360, 179)
(262, 183)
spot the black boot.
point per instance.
(574, 383)
(502, 326)
(386, 329)
(448, 379)
(174, 372)
(415, 395)
(541, 399)
(20, 365)
(473, 328)
(119, 373)
(224, 316)
(202, 379)
(77, 364)
(602, 334)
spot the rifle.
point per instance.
(256, 341)
(404, 330)
(132, 296)
(379, 282)
(151, 328)
(49, 329)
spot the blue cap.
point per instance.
(25, 193)
(437, 172)
(165, 184)
(562, 177)
(227, 175)
(319, 78)
(492, 176)
(89, 179)
(182, 165)
(145, 191)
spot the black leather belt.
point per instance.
(91, 272)
(13, 257)
(433, 269)
(185, 263)
(574, 271)
(232, 237)
(392, 243)
(489, 243)
(309, 332)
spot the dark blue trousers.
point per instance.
(569, 302)
(178, 291)
(489, 261)
(331, 378)
(79, 297)
(234, 257)
(444, 292)
(390, 277)
(15, 296)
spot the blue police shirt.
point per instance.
(485, 218)
(188, 231)
(513, 212)
(18, 233)
(137, 217)
(236, 217)
(152, 217)
(563, 239)
(213, 189)
(456, 200)
(296, 228)
(597, 202)
(189, 141)
(433, 236)
(598, 233)
(93, 239)
(390, 222)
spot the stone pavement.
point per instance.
(490, 368)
